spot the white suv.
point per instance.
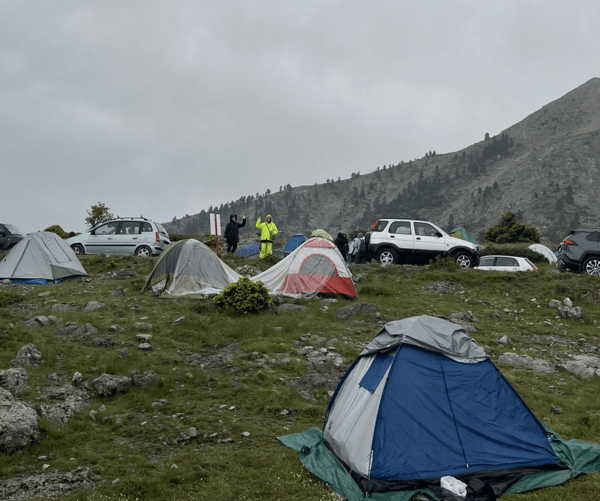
(409, 241)
(123, 235)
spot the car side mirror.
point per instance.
(438, 234)
(93, 232)
(2, 234)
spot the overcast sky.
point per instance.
(165, 108)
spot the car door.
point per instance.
(429, 242)
(506, 263)
(127, 237)
(102, 239)
(487, 263)
(400, 234)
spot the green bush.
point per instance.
(55, 228)
(509, 230)
(244, 296)
(8, 297)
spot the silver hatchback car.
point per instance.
(124, 235)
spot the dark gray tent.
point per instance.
(189, 267)
(41, 257)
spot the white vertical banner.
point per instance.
(215, 224)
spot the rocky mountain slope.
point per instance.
(543, 168)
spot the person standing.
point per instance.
(267, 231)
(232, 232)
(341, 242)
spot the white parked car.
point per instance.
(123, 235)
(505, 263)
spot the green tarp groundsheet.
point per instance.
(580, 457)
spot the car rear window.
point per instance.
(594, 237)
(381, 225)
(161, 229)
(487, 261)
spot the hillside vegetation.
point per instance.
(242, 381)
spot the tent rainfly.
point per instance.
(189, 267)
(422, 402)
(41, 257)
(315, 267)
(322, 234)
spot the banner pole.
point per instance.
(216, 235)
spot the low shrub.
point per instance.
(244, 297)
(55, 228)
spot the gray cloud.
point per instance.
(163, 108)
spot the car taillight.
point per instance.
(566, 241)
(157, 238)
(373, 227)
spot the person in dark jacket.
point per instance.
(232, 232)
(341, 242)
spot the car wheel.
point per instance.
(77, 249)
(143, 251)
(464, 260)
(592, 266)
(387, 256)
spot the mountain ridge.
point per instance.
(543, 168)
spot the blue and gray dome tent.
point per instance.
(423, 401)
(249, 249)
(294, 242)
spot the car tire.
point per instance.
(464, 259)
(78, 249)
(143, 251)
(387, 256)
(591, 266)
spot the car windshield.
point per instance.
(14, 230)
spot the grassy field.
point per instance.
(234, 389)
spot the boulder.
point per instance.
(14, 380)
(55, 485)
(108, 384)
(526, 362)
(18, 423)
(68, 401)
(27, 355)
(146, 379)
(93, 306)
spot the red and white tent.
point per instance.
(315, 267)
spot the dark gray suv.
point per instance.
(580, 251)
(9, 236)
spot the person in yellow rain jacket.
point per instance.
(267, 231)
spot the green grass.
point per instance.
(133, 441)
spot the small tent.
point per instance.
(294, 242)
(544, 251)
(322, 234)
(315, 267)
(248, 250)
(423, 401)
(41, 257)
(460, 232)
(189, 267)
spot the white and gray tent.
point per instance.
(189, 267)
(41, 257)
(544, 251)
